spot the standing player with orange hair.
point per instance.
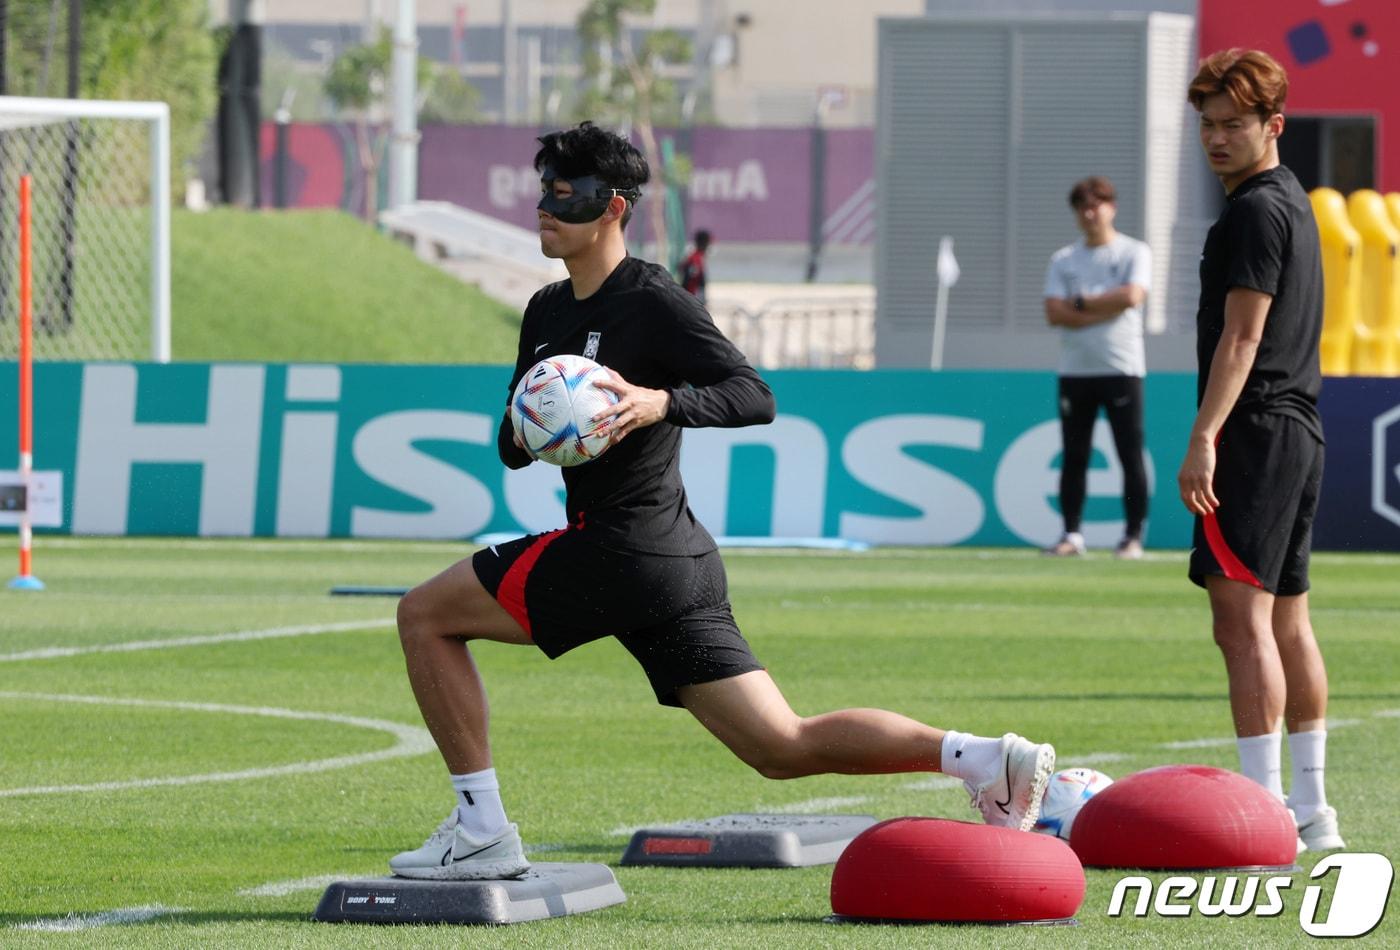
(1253, 465)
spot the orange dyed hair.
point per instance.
(1252, 79)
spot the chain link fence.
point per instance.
(91, 238)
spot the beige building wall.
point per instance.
(770, 62)
(669, 13)
(786, 55)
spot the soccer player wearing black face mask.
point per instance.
(633, 562)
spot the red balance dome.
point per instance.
(933, 869)
(1184, 817)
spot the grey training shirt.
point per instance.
(1113, 347)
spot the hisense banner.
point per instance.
(897, 457)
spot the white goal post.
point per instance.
(100, 173)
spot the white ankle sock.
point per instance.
(1261, 759)
(970, 758)
(479, 808)
(1307, 751)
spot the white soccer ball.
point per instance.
(553, 408)
(1068, 791)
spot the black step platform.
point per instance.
(747, 841)
(546, 890)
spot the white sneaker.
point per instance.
(1320, 832)
(1011, 797)
(1069, 545)
(450, 854)
(1129, 549)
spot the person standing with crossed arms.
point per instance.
(1095, 290)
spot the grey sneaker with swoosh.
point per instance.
(450, 854)
(1011, 797)
(1319, 832)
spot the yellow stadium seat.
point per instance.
(1378, 329)
(1341, 279)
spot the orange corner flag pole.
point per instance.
(26, 579)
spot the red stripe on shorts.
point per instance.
(1229, 562)
(511, 593)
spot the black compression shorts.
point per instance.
(1268, 473)
(671, 613)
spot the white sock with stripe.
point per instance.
(479, 808)
(970, 758)
(1261, 759)
(1307, 752)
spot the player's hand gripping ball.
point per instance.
(553, 408)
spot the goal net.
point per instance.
(100, 236)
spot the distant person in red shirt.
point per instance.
(693, 267)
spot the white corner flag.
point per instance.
(948, 270)
(948, 274)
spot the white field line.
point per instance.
(237, 636)
(1199, 743)
(283, 888)
(1332, 724)
(410, 741)
(75, 922)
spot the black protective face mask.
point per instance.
(587, 203)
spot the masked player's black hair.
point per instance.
(590, 150)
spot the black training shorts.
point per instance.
(671, 613)
(1268, 473)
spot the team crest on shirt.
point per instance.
(590, 350)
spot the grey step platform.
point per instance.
(546, 890)
(747, 841)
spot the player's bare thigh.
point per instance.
(454, 604)
(745, 712)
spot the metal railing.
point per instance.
(816, 334)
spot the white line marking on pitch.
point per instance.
(1230, 740)
(74, 922)
(1199, 743)
(272, 633)
(410, 741)
(283, 888)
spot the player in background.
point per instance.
(633, 562)
(692, 274)
(1253, 462)
(1095, 289)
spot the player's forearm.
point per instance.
(1065, 313)
(1111, 303)
(742, 399)
(1060, 313)
(511, 454)
(1229, 369)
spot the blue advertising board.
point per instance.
(885, 457)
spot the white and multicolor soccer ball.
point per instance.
(553, 408)
(1068, 791)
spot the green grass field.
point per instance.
(279, 286)
(321, 286)
(163, 702)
